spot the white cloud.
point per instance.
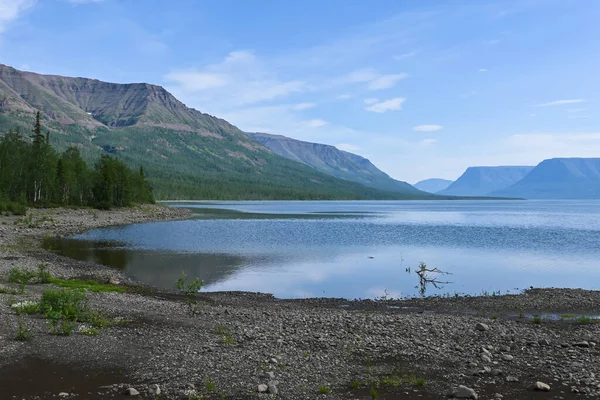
(427, 128)
(560, 102)
(316, 123)
(371, 100)
(11, 9)
(362, 76)
(192, 81)
(428, 142)
(405, 56)
(576, 144)
(483, 70)
(303, 106)
(387, 105)
(386, 81)
(347, 147)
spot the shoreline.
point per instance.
(229, 344)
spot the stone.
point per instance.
(270, 375)
(507, 357)
(154, 390)
(486, 358)
(512, 379)
(63, 394)
(131, 392)
(272, 388)
(497, 372)
(482, 327)
(464, 392)
(498, 396)
(583, 343)
(544, 342)
(541, 386)
(262, 388)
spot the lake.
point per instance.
(358, 249)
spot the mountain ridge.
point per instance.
(333, 161)
(433, 185)
(482, 180)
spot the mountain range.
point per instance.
(481, 181)
(433, 185)
(186, 154)
(332, 161)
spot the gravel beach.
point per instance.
(538, 344)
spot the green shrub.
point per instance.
(61, 327)
(20, 275)
(324, 389)
(25, 307)
(23, 331)
(70, 304)
(11, 207)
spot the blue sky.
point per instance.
(421, 88)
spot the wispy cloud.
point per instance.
(482, 70)
(347, 147)
(10, 10)
(560, 102)
(427, 128)
(404, 56)
(316, 123)
(303, 106)
(192, 81)
(371, 100)
(84, 1)
(386, 81)
(394, 104)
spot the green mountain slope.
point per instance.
(335, 162)
(186, 154)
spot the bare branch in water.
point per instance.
(425, 277)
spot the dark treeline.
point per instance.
(33, 173)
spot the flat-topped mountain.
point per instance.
(433, 185)
(559, 178)
(186, 153)
(481, 181)
(332, 161)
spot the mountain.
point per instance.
(186, 154)
(559, 178)
(335, 162)
(433, 185)
(480, 181)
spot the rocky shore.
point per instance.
(539, 344)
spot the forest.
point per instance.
(33, 174)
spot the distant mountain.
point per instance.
(334, 162)
(481, 181)
(559, 178)
(186, 154)
(433, 185)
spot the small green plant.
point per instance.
(374, 392)
(354, 384)
(227, 339)
(494, 316)
(87, 330)
(189, 290)
(91, 285)
(210, 385)
(14, 292)
(420, 382)
(305, 354)
(61, 327)
(25, 307)
(568, 316)
(24, 333)
(43, 275)
(537, 320)
(324, 389)
(20, 275)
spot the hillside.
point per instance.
(433, 185)
(335, 162)
(481, 181)
(186, 154)
(559, 178)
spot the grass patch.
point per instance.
(537, 320)
(91, 285)
(4, 290)
(583, 320)
(24, 333)
(355, 384)
(324, 389)
(25, 307)
(568, 316)
(21, 276)
(210, 385)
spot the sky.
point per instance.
(424, 89)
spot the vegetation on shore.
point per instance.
(33, 173)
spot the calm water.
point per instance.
(359, 249)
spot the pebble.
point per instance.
(482, 327)
(63, 394)
(541, 386)
(511, 378)
(154, 390)
(583, 343)
(131, 392)
(507, 357)
(464, 392)
(272, 388)
(262, 388)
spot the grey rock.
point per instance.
(272, 388)
(131, 392)
(464, 392)
(262, 388)
(154, 390)
(482, 327)
(511, 378)
(541, 386)
(486, 358)
(507, 357)
(498, 396)
(544, 342)
(63, 394)
(583, 343)
(270, 375)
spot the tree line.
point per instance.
(33, 173)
